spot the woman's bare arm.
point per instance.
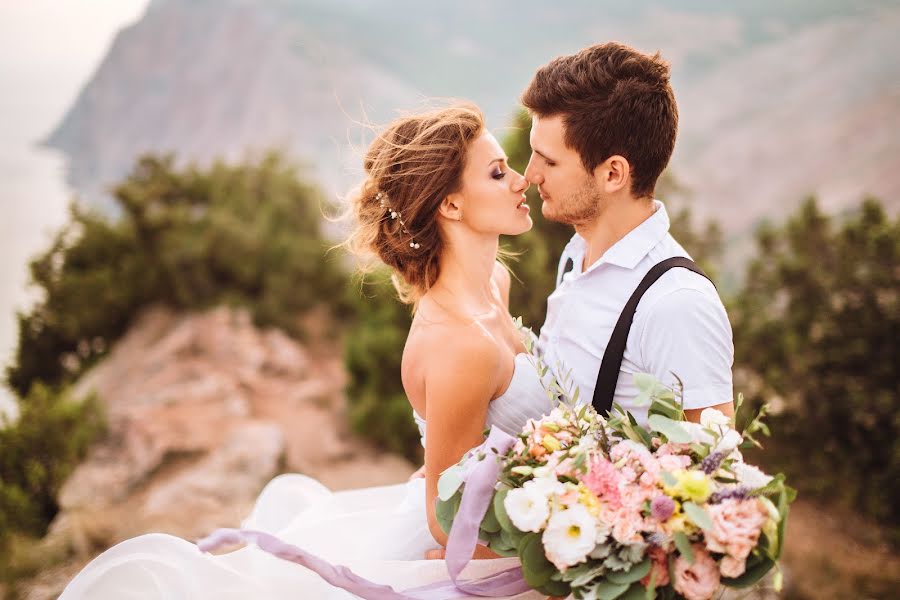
(460, 379)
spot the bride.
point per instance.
(437, 196)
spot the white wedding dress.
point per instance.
(380, 533)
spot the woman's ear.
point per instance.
(452, 207)
(613, 174)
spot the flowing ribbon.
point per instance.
(479, 478)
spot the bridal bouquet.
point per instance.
(604, 508)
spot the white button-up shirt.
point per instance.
(680, 325)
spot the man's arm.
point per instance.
(687, 334)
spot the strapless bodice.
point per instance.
(524, 399)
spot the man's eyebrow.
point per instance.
(542, 155)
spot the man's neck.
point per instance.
(616, 221)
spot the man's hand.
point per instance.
(419, 474)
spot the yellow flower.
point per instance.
(551, 443)
(676, 523)
(691, 485)
(589, 500)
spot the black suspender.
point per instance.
(615, 350)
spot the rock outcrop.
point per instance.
(203, 410)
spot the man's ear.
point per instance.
(451, 207)
(613, 174)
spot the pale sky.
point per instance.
(48, 50)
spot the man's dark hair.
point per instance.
(613, 100)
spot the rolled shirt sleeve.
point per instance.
(687, 334)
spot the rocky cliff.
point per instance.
(203, 411)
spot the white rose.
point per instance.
(750, 476)
(729, 442)
(570, 535)
(712, 417)
(527, 508)
(546, 486)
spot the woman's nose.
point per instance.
(520, 184)
(532, 175)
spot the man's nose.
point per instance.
(531, 173)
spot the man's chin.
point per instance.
(551, 215)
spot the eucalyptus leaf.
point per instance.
(673, 430)
(636, 572)
(699, 516)
(489, 523)
(535, 566)
(590, 574)
(684, 546)
(449, 482)
(635, 592)
(556, 588)
(500, 510)
(445, 511)
(754, 573)
(610, 591)
(645, 382)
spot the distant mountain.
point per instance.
(778, 101)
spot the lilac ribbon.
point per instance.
(479, 478)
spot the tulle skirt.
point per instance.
(381, 533)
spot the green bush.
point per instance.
(39, 451)
(378, 407)
(239, 234)
(818, 324)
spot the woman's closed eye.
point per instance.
(498, 174)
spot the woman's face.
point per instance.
(492, 195)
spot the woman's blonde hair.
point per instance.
(410, 168)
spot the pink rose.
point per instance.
(674, 462)
(648, 479)
(659, 569)
(627, 527)
(736, 526)
(732, 567)
(698, 581)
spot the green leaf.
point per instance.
(669, 479)
(610, 591)
(635, 592)
(535, 566)
(645, 382)
(445, 511)
(449, 482)
(699, 516)
(684, 546)
(556, 588)
(490, 523)
(500, 510)
(673, 430)
(754, 573)
(634, 574)
(589, 574)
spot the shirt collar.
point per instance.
(632, 248)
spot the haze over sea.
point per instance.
(48, 49)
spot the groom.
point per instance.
(603, 129)
(604, 122)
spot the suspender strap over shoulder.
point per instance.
(611, 364)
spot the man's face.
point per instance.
(569, 194)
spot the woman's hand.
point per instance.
(419, 474)
(481, 552)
